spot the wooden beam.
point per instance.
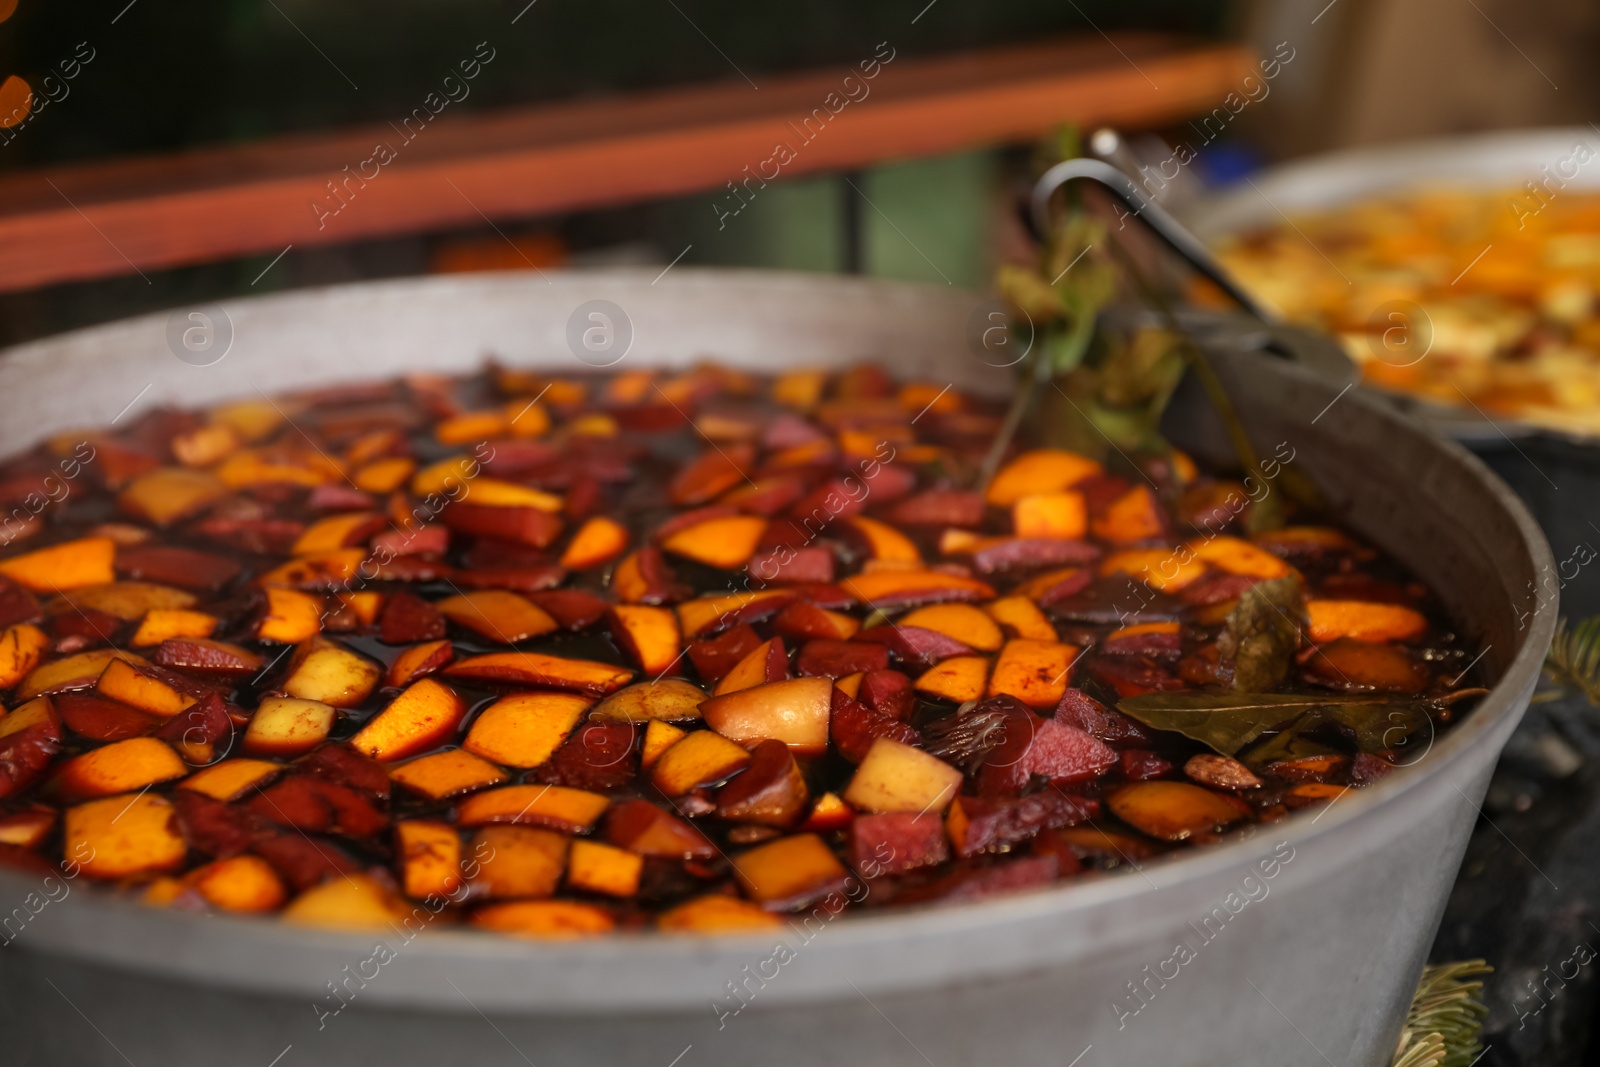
(101, 219)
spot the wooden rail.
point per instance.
(101, 219)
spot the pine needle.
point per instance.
(1446, 1016)
(1574, 658)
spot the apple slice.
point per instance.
(523, 525)
(790, 873)
(423, 716)
(163, 624)
(120, 767)
(643, 577)
(896, 777)
(127, 601)
(896, 842)
(802, 621)
(903, 588)
(448, 774)
(291, 617)
(854, 727)
(1174, 811)
(78, 671)
(726, 543)
(288, 726)
(429, 853)
(27, 829)
(419, 661)
(767, 662)
(713, 613)
(231, 779)
(351, 902)
(326, 671)
(1166, 569)
(22, 647)
(121, 836)
(1361, 620)
(883, 542)
(174, 565)
(958, 680)
(1134, 516)
(770, 792)
(560, 919)
(325, 570)
(794, 712)
(649, 635)
(594, 867)
(829, 813)
(30, 737)
(334, 532)
(407, 618)
(1021, 617)
(168, 494)
(245, 884)
(518, 861)
(670, 699)
(525, 729)
(599, 540)
(1060, 515)
(639, 826)
(1043, 470)
(1035, 672)
(969, 625)
(717, 914)
(571, 811)
(140, 688)
(985, 824)
(498, 615)
(536, 668)
(703, 757)
(714, 657)
(69, 565)
(711, 474)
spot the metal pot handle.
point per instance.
(1171, 232)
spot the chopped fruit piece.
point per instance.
(1134, 516)
(959, 679)
(419, 661)
(1363, 621)
(69, 565)
(164, 624)
(1023, 617)
(649, 635)
(767, 662)
(557, 807)
(447, 774)
(21, 648)
(801, 621)
(240, 883)
(353, 902)
(886, 692)
(835, 659)
(794, 712)
(120, 767)
(710, 614)
(172, 565)
(770, 792)
(338, 531)
(328, 672)
(423, 716)
(164, 496)
(1049, 588)
(850, 684)
(518, 861)
(502, 617)
(963, 622)
(1174, 811)
(896, 777)
(545, 918)
(292, 616)
(30, 737)
(1363, 665)
(137, 687)
(1050, 515)
(429, 854)
(727, 542)
(384, 475)
(717, 914)
(670, 699)
(711, 474)
(1146, 638)
(790, 872)
(286, 726)
(121, 836)
(74, 672)
(1035, 672)
(897, 842)
(127, 600)
(703, 757)
(104, 720)
(599, 540)
(27, 829)
(1044, 470)
(1166, 569)
(897, 589)
(643, 577)
(205, 656)
(326, 570)
(829, 813)
(853, 727)
(231, 779)
(525, 729)
(658, 737)
(598, 868)
(714, 657)
(978, 824)
(524, 525)
(535, 668)
(1239, 557)
(912, 646)
(884, 542)
(1220, 772)
(639, 826)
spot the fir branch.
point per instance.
(1445, 1020)
(1573, 662)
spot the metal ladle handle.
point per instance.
(1171, 232)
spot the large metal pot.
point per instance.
(1303, 940)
